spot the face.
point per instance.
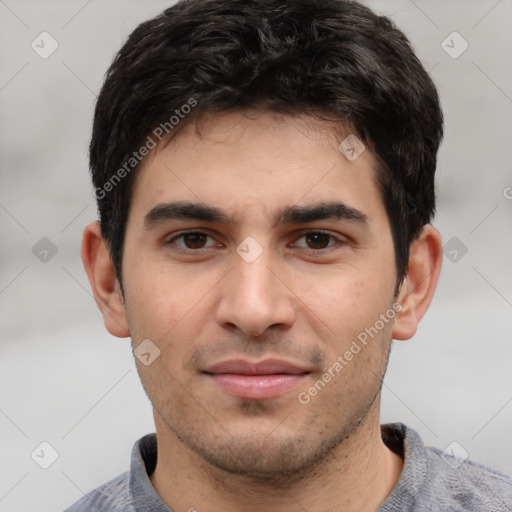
(256, 301)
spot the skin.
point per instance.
(303, 299)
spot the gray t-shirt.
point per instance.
(431, 481)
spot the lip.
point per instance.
(269, 378)
(265, 367)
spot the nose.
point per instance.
(256, 296)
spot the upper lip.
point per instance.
(265, 367)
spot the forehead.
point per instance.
(251, 161)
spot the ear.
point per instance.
(104, 284)
(417, 290)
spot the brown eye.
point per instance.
(192, 240)
(317, 240)
(195, 240)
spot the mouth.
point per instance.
(269, 378)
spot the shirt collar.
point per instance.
(143, 463)
(416, 466)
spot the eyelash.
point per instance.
(303, 234)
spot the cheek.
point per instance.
(351, 309)
(343, 300)
(170, 308)
(159, 295)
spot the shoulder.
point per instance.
(465, 485)
(113, 496)
(123, 492)
(433, 480)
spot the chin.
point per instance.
(279, 456)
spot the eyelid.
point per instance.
(181, 234)
(338, 239)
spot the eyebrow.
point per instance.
(181, 210)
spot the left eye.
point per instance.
(318, 239)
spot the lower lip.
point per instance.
(257, 386)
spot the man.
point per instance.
(265, 180)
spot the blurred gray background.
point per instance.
(67, 382)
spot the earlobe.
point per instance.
(104, 284)
(417, 290)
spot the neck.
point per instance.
(356, 476)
